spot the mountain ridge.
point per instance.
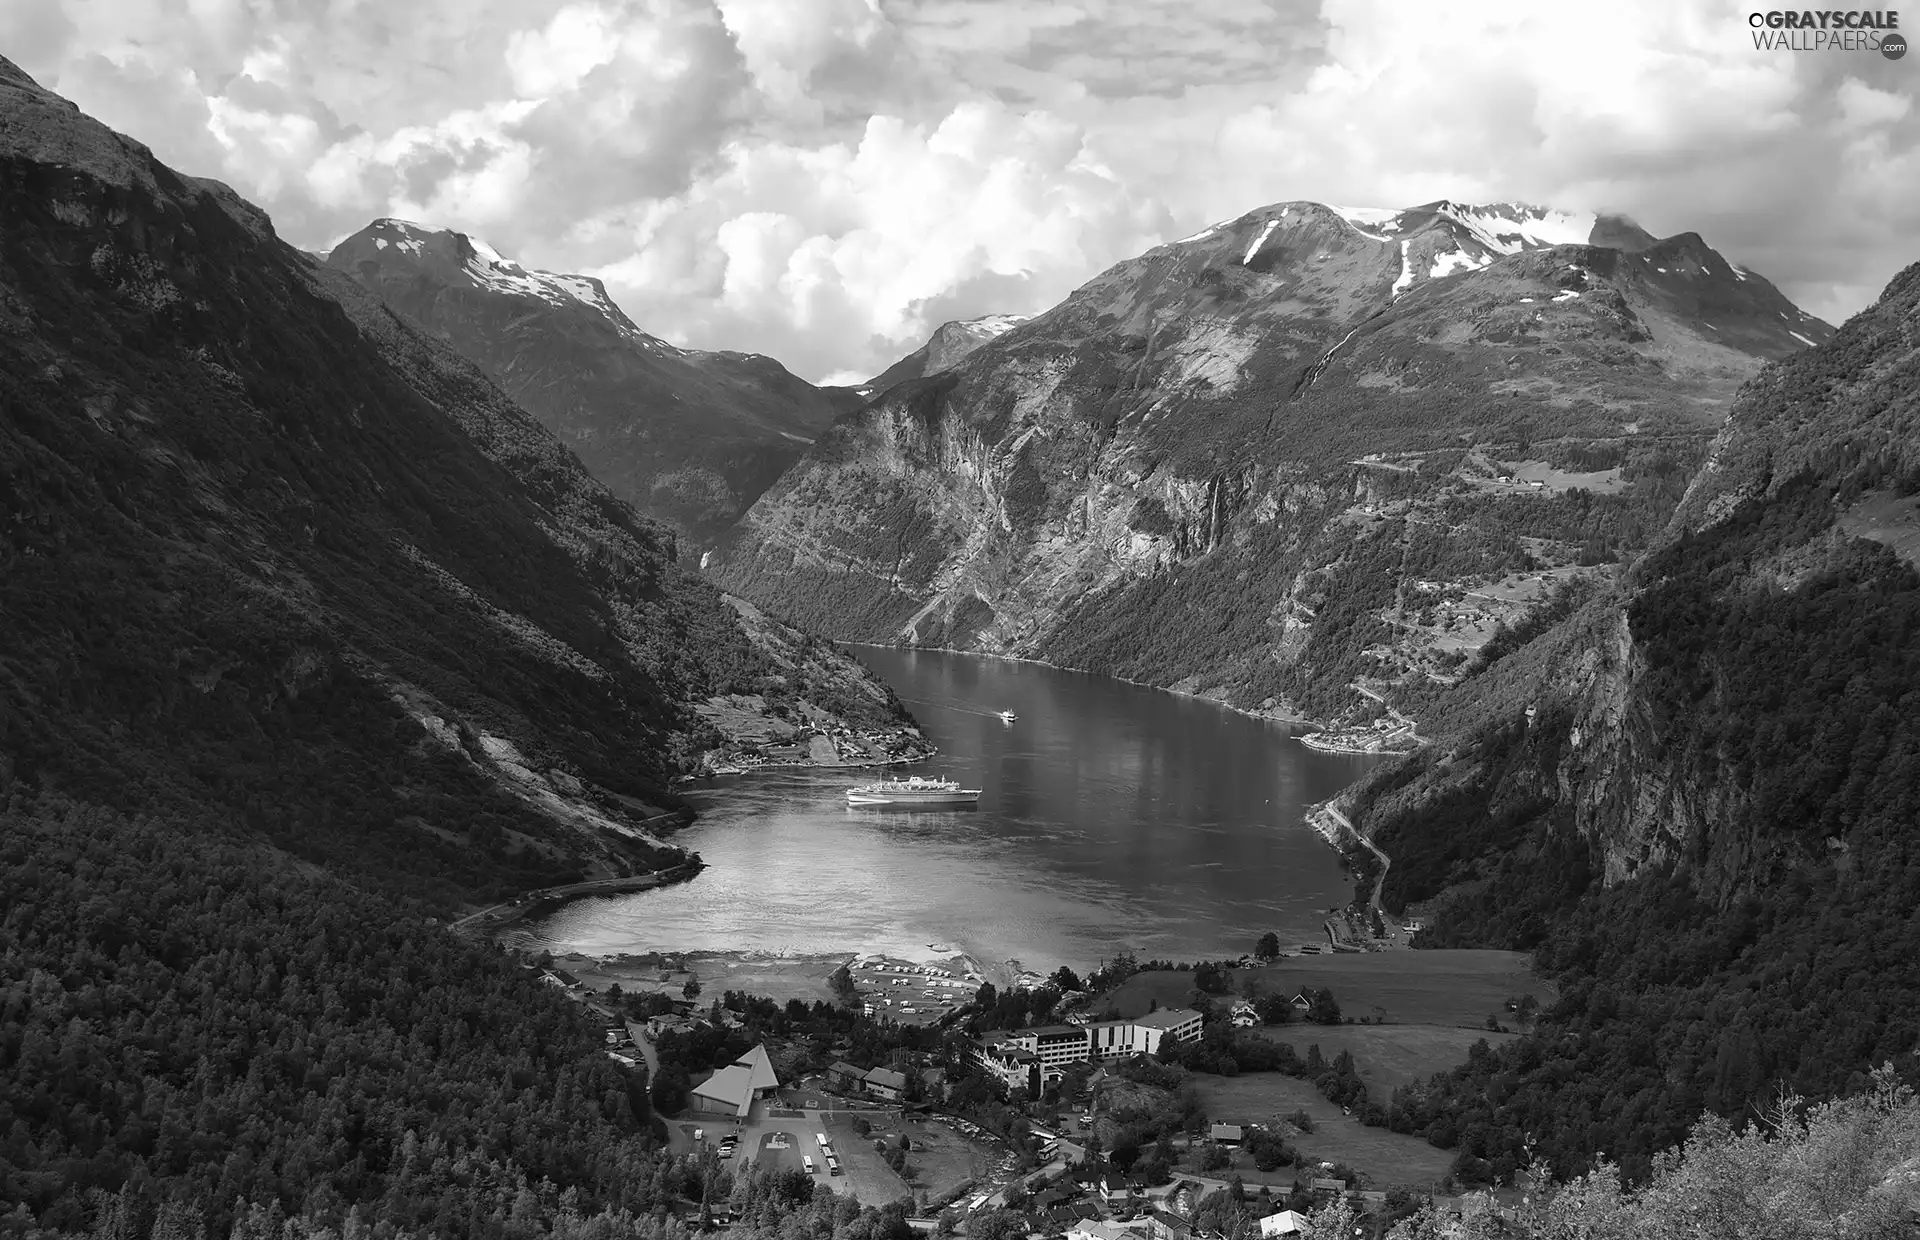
(688, 436)
(1252, 401)
(260, 532)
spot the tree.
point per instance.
(692, 989)
(1065, 980)
(1124, 1154)
(996, 1225)
(1268, 948)
(1324, 1010)
(841, 982)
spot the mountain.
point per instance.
(1694, 798)
(950, 342)
(1304, 450)
(273, 555)
(688, 437)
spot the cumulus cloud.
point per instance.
(859, 248)
(826, 180)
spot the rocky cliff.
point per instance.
(1183, 471)
(688, 437)
(276, 559)
(1694, 798)
(1638, 735)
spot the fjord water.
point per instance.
(1112, 817)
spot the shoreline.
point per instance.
(756, 768)
(1266, 716)
(545, 901)
(1003, 974)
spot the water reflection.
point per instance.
(1111, 816)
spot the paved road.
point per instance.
(638, 1032)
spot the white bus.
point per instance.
(821, 1139)
(806, 1160)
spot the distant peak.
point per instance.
(456, 255)
(989, 324)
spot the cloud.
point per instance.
(854, 250)
(825, 180)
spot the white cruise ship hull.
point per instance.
(914, 799)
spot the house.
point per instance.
(732, 1090)
(933, 1083)
(1325, 1189)
(846, 1078)
(1285, 1223)
(1243, 1015)
(1112, 1188)
(1162, 1225)
(1225, 1134)
(886, 1083)
(1094, 1229)
(1301, 1001)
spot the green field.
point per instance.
(1388, 1056)
(1386, 1158)
(1452, 987)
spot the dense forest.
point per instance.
(188, 1019)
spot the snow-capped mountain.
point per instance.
(1164, 475)
(687, 436)
(949, 344)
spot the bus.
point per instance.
(820, 1138)
(833, 1166)
(806, 1160)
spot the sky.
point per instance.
(826, 181)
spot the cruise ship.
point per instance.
(913, 792)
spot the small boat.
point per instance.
(1007, 716)
(913, 792)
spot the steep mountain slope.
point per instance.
(273, 556)
(1290, 453)
(1697, 797)
(688, 437)
(950, 343)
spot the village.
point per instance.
(760, 737)
(1041, 1123)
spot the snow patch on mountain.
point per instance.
(1445, 265)
(1260, 241)
(1508, 228)
(1405, 280)
(1386, 219)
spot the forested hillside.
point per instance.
(312, 640)
(1705, 825)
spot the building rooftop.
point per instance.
(756, 1062)
(1058, 1031)
(731, 1088)
(1166, 1018)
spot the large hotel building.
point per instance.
(1034, 1058)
